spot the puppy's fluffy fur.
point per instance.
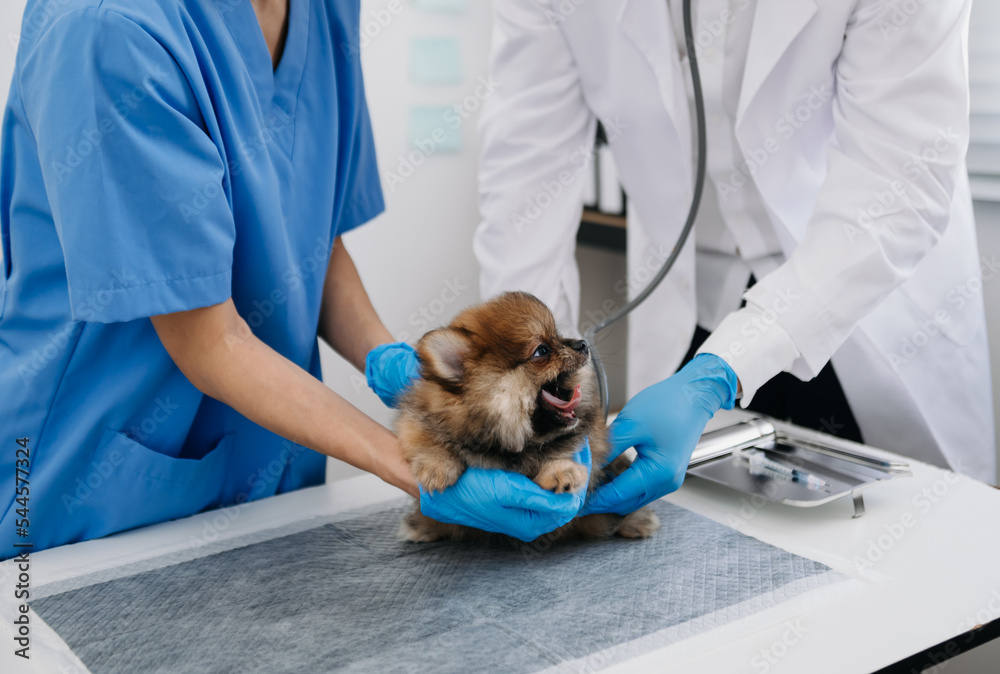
(501, 389)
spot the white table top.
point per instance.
(926, 552)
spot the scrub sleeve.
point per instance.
(123, 149)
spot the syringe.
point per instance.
(759, 459)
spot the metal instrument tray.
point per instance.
(847, 468)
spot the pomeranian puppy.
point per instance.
(501, 389)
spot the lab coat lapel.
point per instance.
(776, 24)
(648, 26)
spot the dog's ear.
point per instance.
(443, 352)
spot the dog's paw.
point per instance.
(417, 528)
(562, 475)
(408, 532)
(437, 475)
(640, 524)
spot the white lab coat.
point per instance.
(894, 298)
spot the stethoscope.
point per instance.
(699, 184)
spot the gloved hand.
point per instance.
(390, 369)
(504, 502)
(663, 423)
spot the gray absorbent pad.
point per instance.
(345, 595)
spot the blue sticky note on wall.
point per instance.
(435, 61)
(441, 5)
(435, 130)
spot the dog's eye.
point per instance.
(541, 351)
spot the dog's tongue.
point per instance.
(564, 406)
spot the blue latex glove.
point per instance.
(504, 502)
(390, 369)
(663, 423)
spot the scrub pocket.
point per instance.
(137, 486)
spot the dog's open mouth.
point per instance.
(560, 400)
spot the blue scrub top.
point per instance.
(152, 162)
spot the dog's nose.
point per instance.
(579, 345)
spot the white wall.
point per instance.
(10, 28)
(414, 255)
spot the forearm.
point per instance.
(219, 354)
(347, 320)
